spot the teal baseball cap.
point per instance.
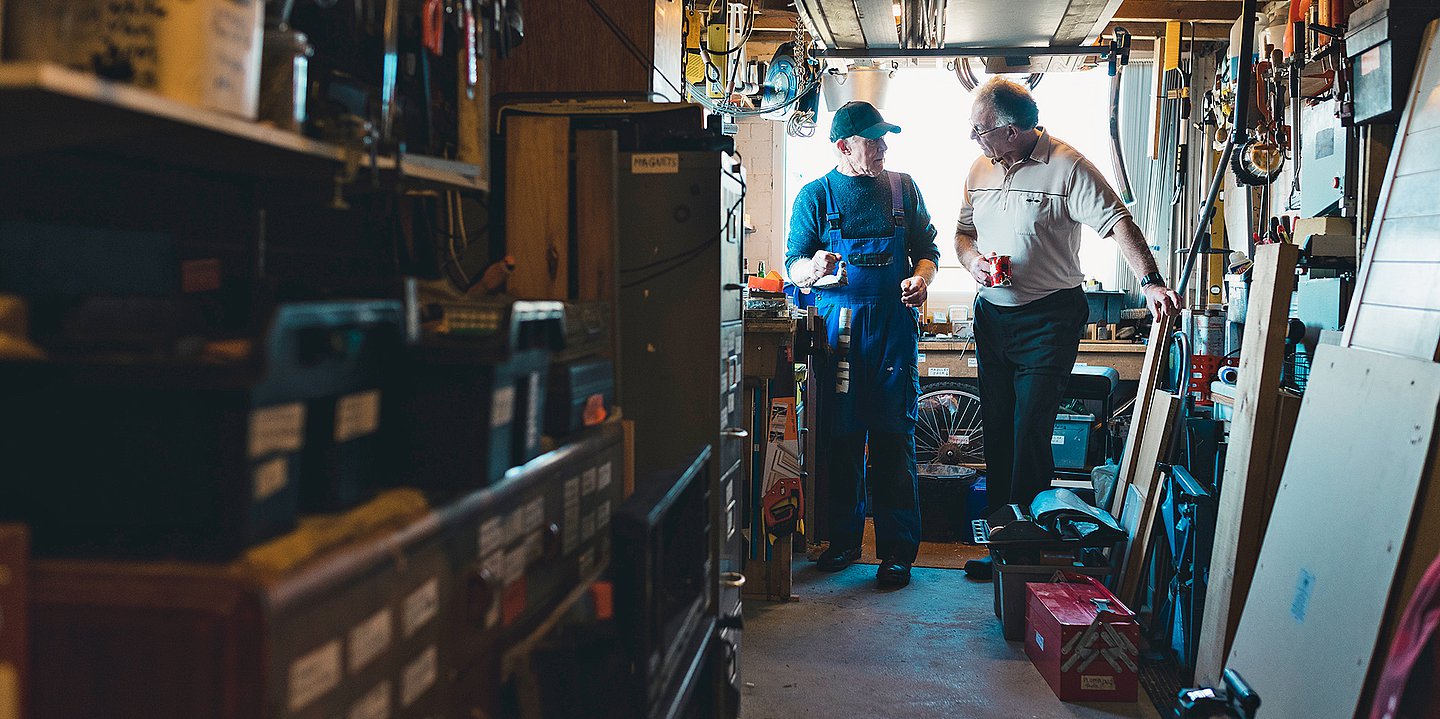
(859, 118)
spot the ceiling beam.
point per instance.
(1157, 29)
(1206, 11)
(776, 20)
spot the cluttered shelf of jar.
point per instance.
(47, 107)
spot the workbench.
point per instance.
(769, 372)
(947, 358)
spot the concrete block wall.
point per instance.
(761, 144)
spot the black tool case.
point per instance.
(144, 457)
(468, 401)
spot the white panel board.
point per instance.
(1362, 444)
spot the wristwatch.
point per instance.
(1154, 278)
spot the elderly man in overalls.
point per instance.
(861, 237)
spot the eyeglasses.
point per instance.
(977, 133)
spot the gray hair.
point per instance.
(1010, 101)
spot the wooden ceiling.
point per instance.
(1145, 19)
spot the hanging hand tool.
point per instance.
(842, 353)
(432, 27)
(391, 67)
(471, 29)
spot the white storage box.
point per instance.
(201, 52)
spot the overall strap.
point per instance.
(832, 210)
(897, 199)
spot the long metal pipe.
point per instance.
(1011, 51)
(1239, 131)
(1117, 153)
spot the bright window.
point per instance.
(935, 148)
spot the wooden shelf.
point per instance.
(45, 107)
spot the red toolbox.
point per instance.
(1083, 640)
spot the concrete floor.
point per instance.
(933, 649)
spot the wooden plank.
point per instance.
(537, 205)
(1287, 411)
(1422, 153)
(1413, 195)
(1408, 239)
(1219, 11)
(1242, 509)
(546, 62)
(1405, 284)
(596, 215)
(1156, 30)
(1154, 446)
(1160, 331)
(1402, 331)
(1309, 631)
(1422, 111)
(1421, 548)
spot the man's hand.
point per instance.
(980, 269)
(1161, 300)
(913, 291)
(823, 263)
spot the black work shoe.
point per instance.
(835, 559)
(892, 574)
(980, 568)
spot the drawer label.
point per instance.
(278, 429)
(374, 705)
(655, 163)
(535, 514)
(357, 415)
(502, 406)
(972, 362)
(603, 479)
(369, 639)
(587, 482)
(514, 565)
(1097, 683)
(1057, 439)
(937, 371)
(515, 526)
(533, 547)
(492, 535)
(920, 357)
(419, 676)
(420, 607)
(269, 478)
(314, 674)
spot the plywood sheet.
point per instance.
(1308, 632)
(1250, 465)
(1154, 445)
(596, 215)
(1408, 198)
(537, 205)
(1149, 377)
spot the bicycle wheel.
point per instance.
(948, 430)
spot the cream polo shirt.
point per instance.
(1033, 212)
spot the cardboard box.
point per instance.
(204, 53)
(1084, 641)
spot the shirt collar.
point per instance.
(1039, 153)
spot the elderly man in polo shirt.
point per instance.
(1026, 198)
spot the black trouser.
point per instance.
(1025, 356)
(893, 486)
